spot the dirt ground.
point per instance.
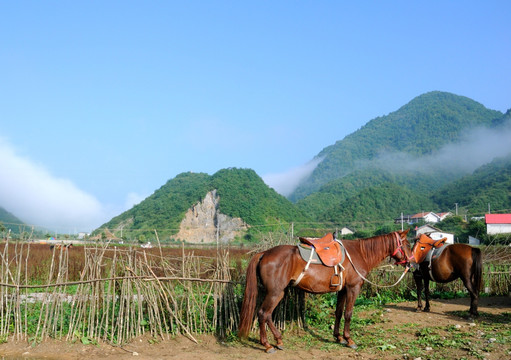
(394, 316)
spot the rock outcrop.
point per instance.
(203, 223)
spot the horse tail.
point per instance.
(477, 268)
(250, 298)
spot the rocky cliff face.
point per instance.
(203, 222)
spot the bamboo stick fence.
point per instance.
(121, 294)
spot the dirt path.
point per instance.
(398, 322)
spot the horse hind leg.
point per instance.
(264, 315)
(418, 278)
(427, 308)
(474, 295)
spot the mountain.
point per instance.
(378, 203)
(490, 184)
(418, 128)
(405, 162)
(321, 203)
(241, 194)
(9, 221)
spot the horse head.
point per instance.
(423, 245)
(403, 253)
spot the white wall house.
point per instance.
(443, 215)
(346, 231)
(498, 224)
(429, 217)
(435, 234)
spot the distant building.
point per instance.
(435, 234)
(346, 231)
(498, 224)
(426, 217)
(443, 215)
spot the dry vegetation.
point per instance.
(111, 294)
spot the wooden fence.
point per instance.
(123, 293)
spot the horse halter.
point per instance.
(399, 248)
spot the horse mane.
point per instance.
(376, 248)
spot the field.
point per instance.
(393, 331)
(168, 302)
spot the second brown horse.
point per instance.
(278, 268)
(456, 261)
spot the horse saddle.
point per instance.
(329, 251)
(424, 245)
(434, 253)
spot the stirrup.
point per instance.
(339, 280)
(338, 269)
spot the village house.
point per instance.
(435, 234)
(426, 217)
(346, 231)
(498, 224)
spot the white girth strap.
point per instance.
(429, 257)
(300, 277)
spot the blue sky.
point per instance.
(102, 102)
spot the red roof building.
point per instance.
(498, 224)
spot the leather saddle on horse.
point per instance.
(329, 251)
(424, 245)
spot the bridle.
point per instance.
(399, 249)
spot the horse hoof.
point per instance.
(418, 310)
(353, 346)
(280, 347)
(270, 350)
(342, 341)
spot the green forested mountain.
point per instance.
(321, 202)
(419, 127)
(9, 221)
(242, 194)
(360, 180)
(7, 218)
(166, 207)
(490, 184)
(380, 203)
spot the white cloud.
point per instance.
(37, 197)
(286, 182)
(475, 148)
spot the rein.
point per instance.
(370, 282)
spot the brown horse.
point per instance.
(455, 261)
(281, 266)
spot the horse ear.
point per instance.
(405, 232)
(440, 242)
(335, 235)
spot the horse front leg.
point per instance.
(264, 315)
(417, 277)
(341, 301)
(351, 296)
